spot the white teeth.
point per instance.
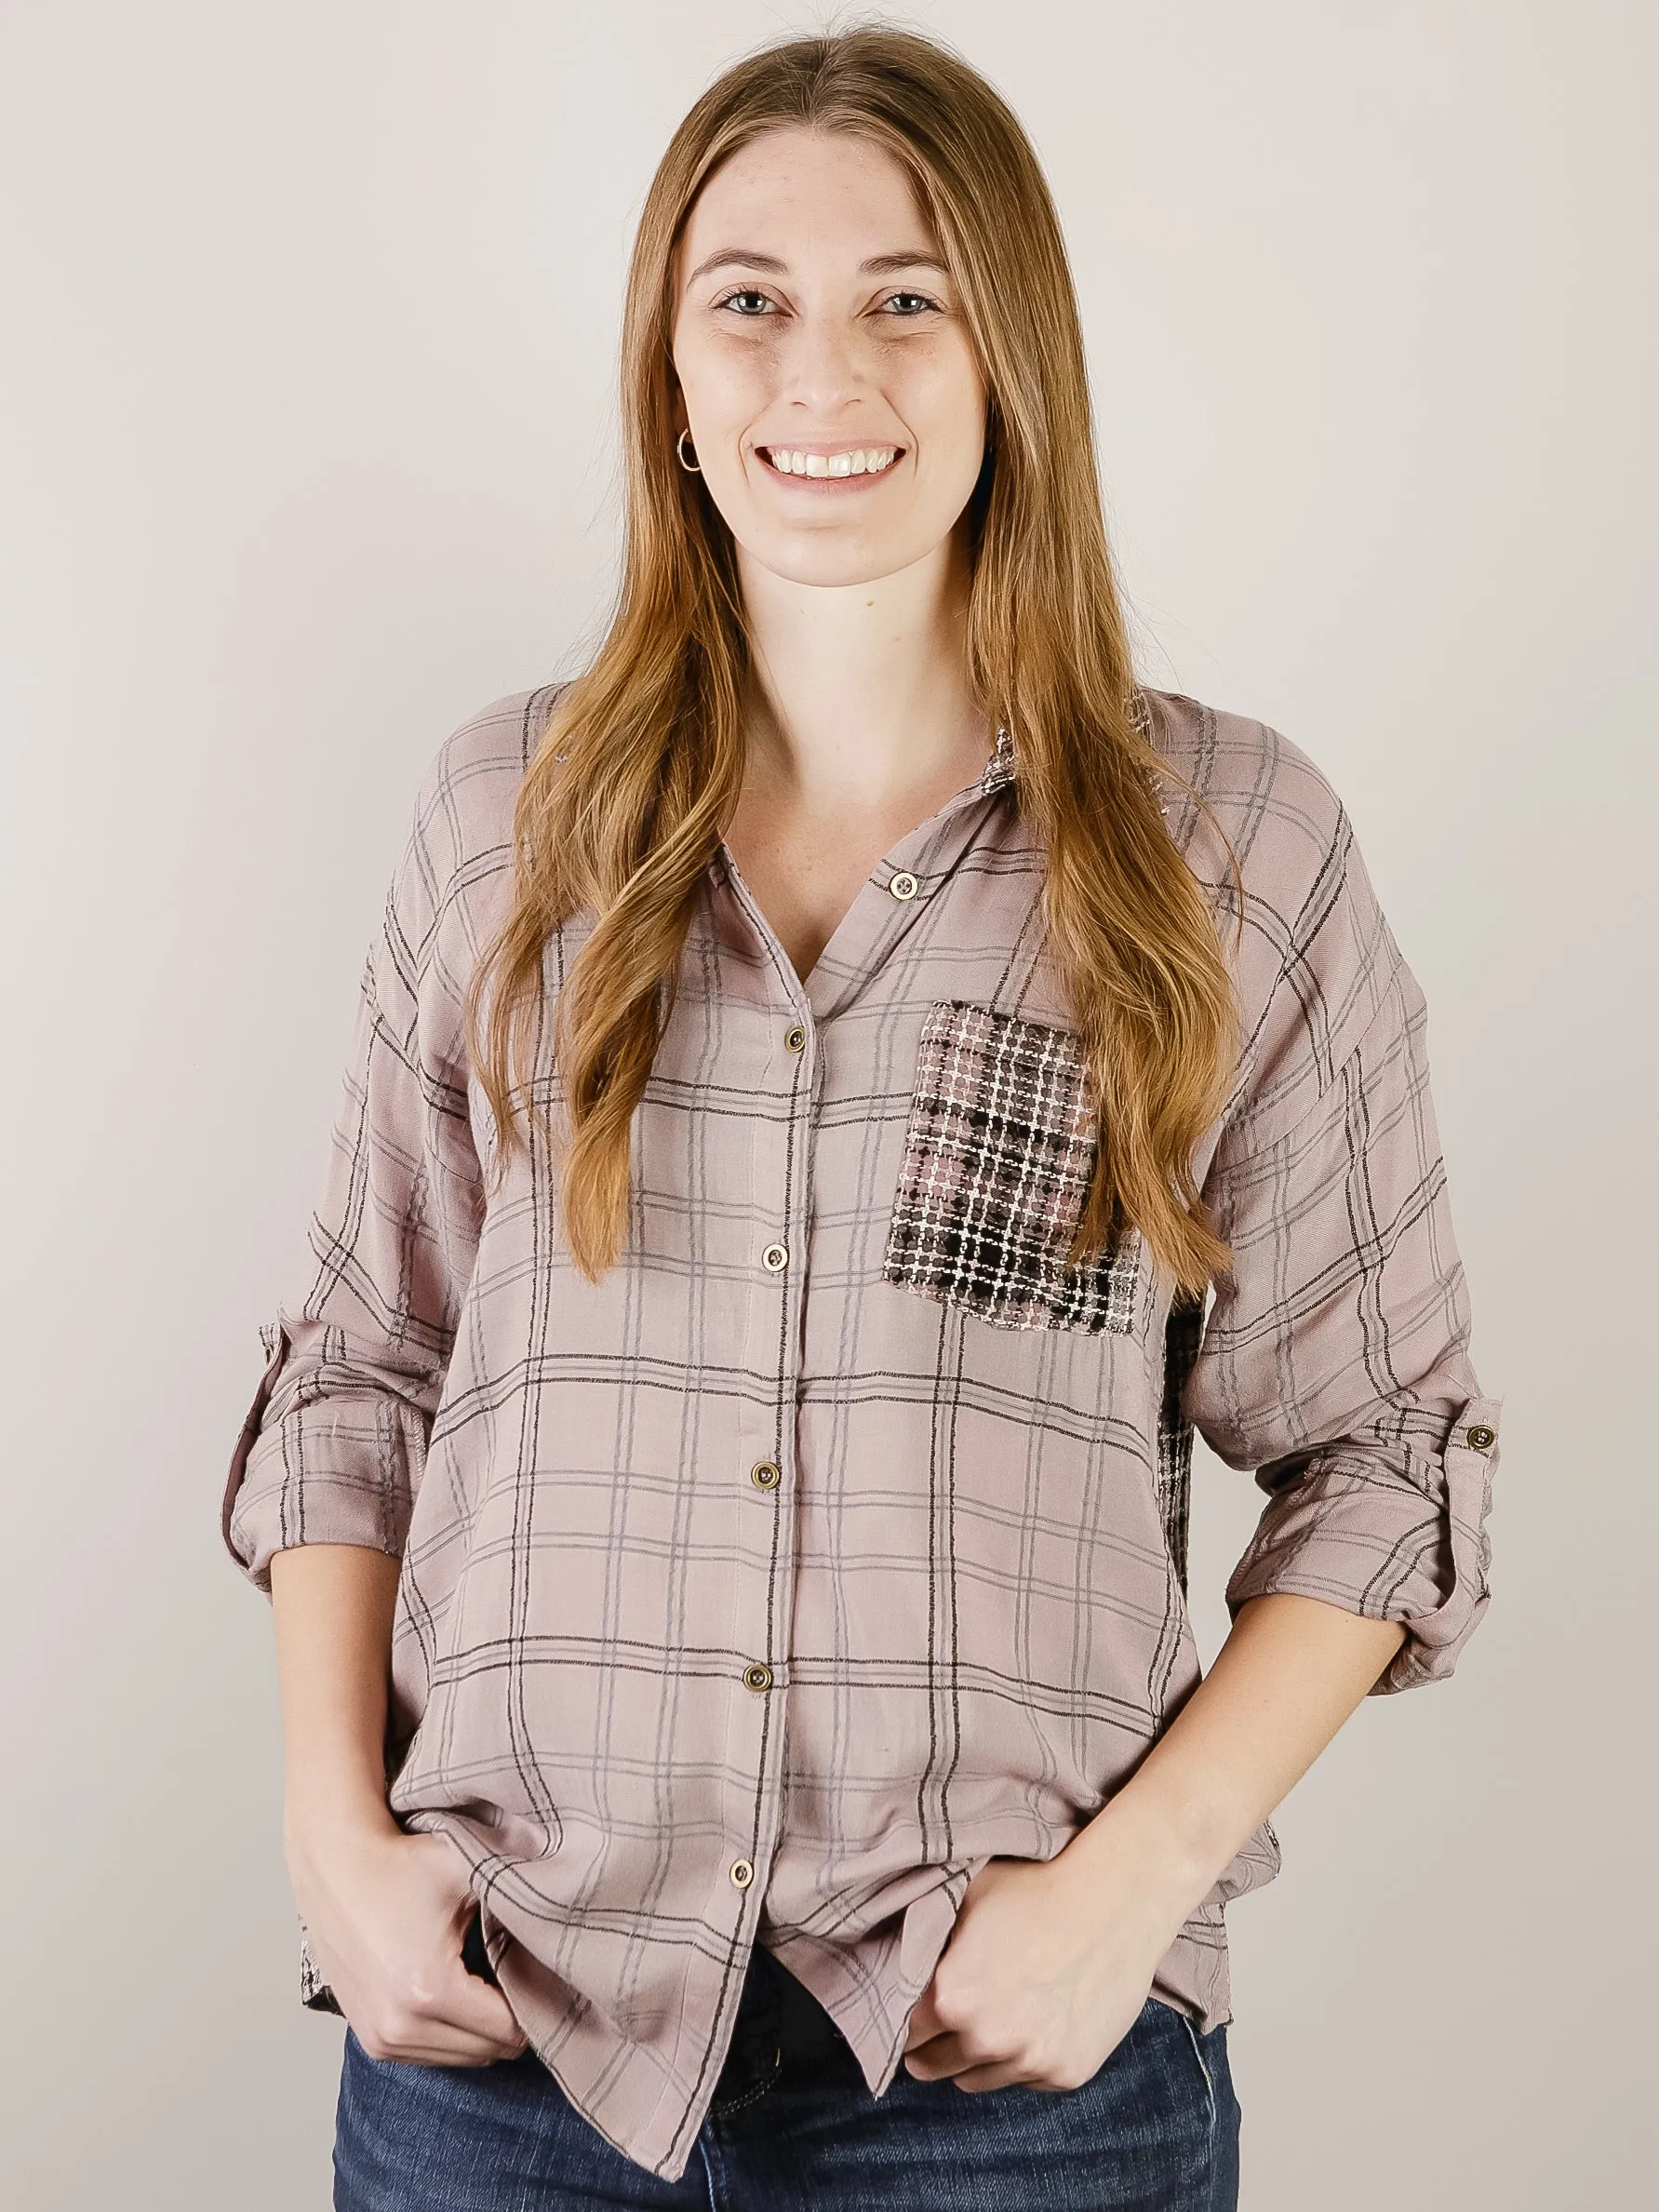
(861, 461)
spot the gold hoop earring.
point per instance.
(692, 468)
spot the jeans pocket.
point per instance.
(999, 1153)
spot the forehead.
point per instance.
(793, 192)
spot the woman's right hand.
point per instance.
(386, 1914)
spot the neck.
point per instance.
(858, 693)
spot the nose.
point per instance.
(822, 367)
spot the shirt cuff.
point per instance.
(343, 1468)
(314, 1992)
(1389, 1534)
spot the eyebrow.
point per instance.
(879, 264)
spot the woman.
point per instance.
(721, 1473)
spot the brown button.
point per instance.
(766, 1474)
(903, 886)
(757, 1677)
(741, 1874)
(774, 1257)
(795, 1040)
(1482, 1439)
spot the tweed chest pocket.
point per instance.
(999, 1155)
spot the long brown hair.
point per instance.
(623, 807)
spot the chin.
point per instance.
(822, 562)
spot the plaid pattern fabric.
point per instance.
(998, 1156)
(835, 1541)
(314, 1988)
(1182, 1334)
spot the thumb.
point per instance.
(480, 2006)
(924, 2021)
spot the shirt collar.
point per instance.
(1002, 767)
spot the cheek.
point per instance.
(723, 383)
(952, 446)
(945, 404)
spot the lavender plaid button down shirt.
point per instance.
(836, 1541)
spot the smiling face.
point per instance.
(826, 372)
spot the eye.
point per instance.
(916, 301)
(745, 291)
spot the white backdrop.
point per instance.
(306, 452)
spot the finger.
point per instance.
(993, 2077)
(447, 2050)
(475, 2007)
(439, 2042)
(461, 2021)
(424, 2039)
(940, 2056)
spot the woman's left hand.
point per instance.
(1045, 1971)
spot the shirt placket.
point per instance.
(759, 1450)
(763, 1461)
(781, 1186)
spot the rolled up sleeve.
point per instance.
(333, 1445)
(1335, 1363)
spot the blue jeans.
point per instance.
(1154, 2130)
